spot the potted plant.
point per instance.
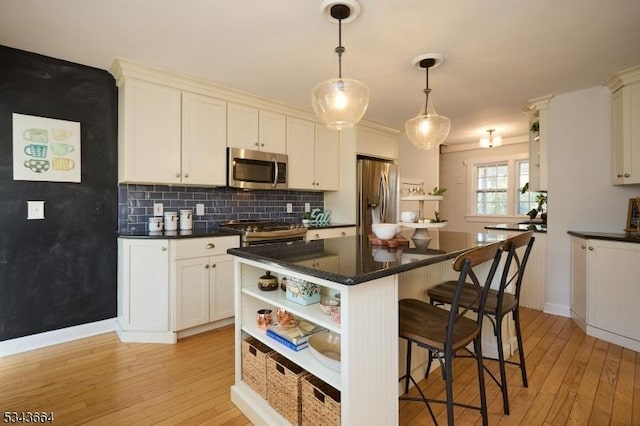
(541, 199)
(306, 219)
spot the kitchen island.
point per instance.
(369, 281)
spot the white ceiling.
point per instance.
(498, 53)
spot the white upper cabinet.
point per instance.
(376, 143)
(625, 127)
(149, 133)
(204, 140)
(170, 137)
(251, 128)
(313, 156)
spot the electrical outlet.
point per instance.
(199, 209)
(289, 208)
(307, 207)
(157, 209)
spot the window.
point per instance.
(526, 201)
(497, 188)
(491, 189)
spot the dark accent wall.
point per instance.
(135, 204)
(60, 271)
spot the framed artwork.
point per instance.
(45, 149)
(633, 215)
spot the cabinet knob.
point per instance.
(163, 249)
(186, 175)
(213, 265)
(583, 247)
(206, 266)
(256, 144)
(261, 144)
(177, 174)
(619, 175)
(590, 248)
(343, 234)
(316, 236)
(627, 175)
(210, 245)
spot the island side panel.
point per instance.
(370, 352)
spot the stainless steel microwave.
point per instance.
(249, 169)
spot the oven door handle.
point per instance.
(275, 175)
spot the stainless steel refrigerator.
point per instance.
(378, 193)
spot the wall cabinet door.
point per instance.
(192, 292)
(612, 286)
(272, 133)
(221, 290)
(625, 115)
(376, 143)
(204, 140)
(327, 158)
(143, 285)
(250, 128)
(150, 131)
(301, 152)
(579, 281)
(313, 152)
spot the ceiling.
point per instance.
(498, 53)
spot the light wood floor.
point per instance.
(573, 379)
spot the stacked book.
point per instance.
(294, 337)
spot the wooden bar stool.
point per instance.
(499, 305)
(443, 333)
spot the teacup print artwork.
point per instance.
(46, 149)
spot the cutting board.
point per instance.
(392, 243)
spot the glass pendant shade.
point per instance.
(340, 102)
(428, 129)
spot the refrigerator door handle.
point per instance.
(384, 196)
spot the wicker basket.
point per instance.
(283, 387)
(320, 402)
(254, 364)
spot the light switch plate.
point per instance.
(35, 210)
(157, 209)
(307, 207)
(199, 209)
(289, 208)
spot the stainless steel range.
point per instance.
(255, 232)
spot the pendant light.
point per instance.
(428, 129)
(340, 102)
(490, 141)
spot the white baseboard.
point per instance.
(560, 310)
(49, 338)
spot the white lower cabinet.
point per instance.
(143, 290)
(607, 270)
(323, 234)
(170, 286)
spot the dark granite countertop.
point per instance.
(359, 261)
(622, 237)
(530, 226)
(176, 234)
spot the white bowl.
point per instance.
(385, 231)
(409, 216)
(325, 346)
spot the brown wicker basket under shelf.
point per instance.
(320, 402)
(283, 387)
(254, 364)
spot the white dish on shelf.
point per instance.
(417, 225)
(325, 346)
(422, 198)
